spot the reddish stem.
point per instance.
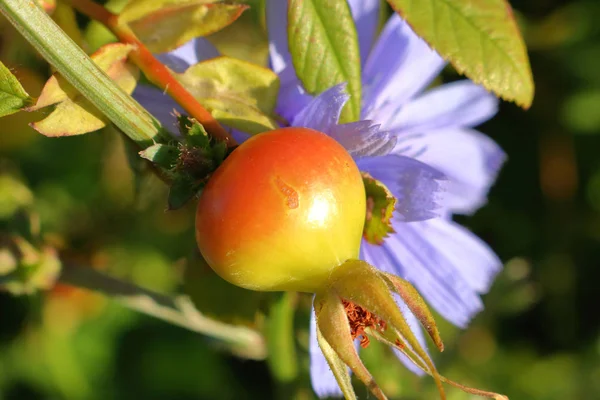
(154, 70)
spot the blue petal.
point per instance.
(323, 112)
(192, 52)
(277, 12)
(366, 18)
(416, 186)
(158, 104)
(470, 256)
(363, 139)
(400, 66)
(240, 136)
(291, 100)
(449, 266)
(457, 104)
(322, 379)
(469, 159)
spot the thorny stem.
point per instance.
(154, 70)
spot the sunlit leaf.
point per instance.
(324, 47)
(480, 38)
(245, 40)
(73, 114)
(239, 94)
(164, 25)
(12, 95)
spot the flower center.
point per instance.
(361, 319)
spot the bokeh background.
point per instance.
(538, 338)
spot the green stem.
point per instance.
(77, 68)
(177, 310)
(282, 358)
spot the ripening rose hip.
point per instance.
(286, 211)
(282, 211)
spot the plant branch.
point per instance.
(154, 70)
(178, 310)
(79, 70)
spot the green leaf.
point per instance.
(480, 38)
(163, 155)
(73, 114)
(237, 93)
(12, 95)
(163, 25)
(380, 208)
(324, 46)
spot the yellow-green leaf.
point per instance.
(239, 94)
(164, 25)
(12, 95)
(324, 46)
(480, 38)
(73, 114)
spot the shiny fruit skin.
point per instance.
(283, 210)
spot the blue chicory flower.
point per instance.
(418, 144)
(448, 264)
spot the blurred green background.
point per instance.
(538, 338)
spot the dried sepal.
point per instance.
(358, 301)
(364, 285)
(332, 322)
(397, 343)
(381, 205)
(338, 367)
(417, 306)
